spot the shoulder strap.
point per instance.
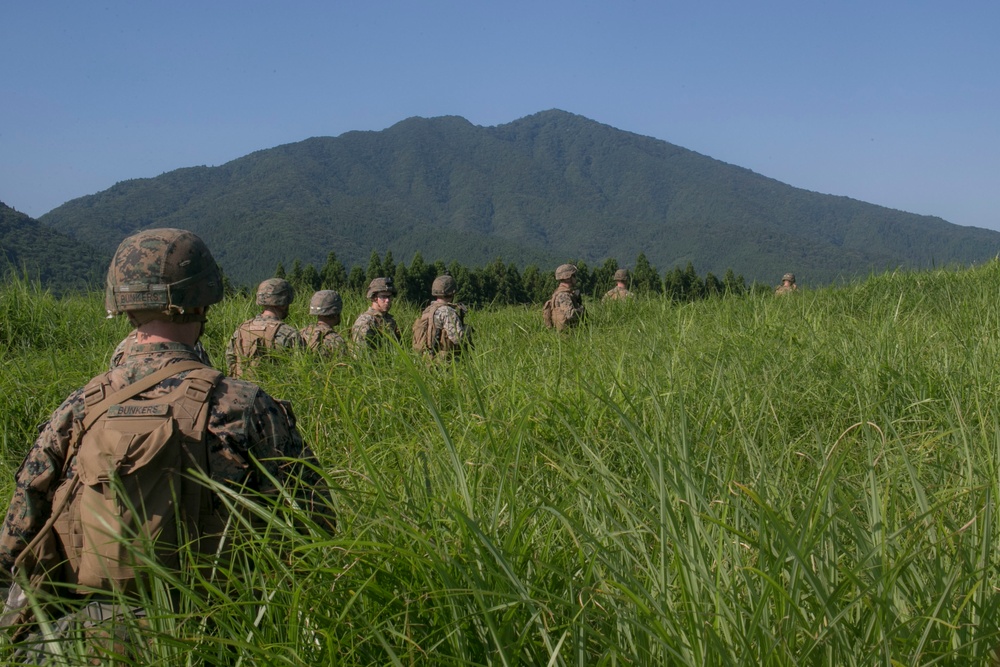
(97, 407)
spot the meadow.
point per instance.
(806, 480)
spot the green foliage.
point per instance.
(545, 187)
(28, 248)
(810, 479)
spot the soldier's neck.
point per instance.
(161, 331)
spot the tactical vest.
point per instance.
(426, 337)
(253, 340)
(131, 492)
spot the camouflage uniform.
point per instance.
(789, 288)
(244, 422)
(567, 307)
(617, 293)
(448, 321)
(167, 276)
(371, 327)
(321, 337)
(126, 345)
(284, 336)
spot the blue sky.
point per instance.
(894, 103)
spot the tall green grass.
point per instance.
(780, 481)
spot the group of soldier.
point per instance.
(164, 281)
(440, 331)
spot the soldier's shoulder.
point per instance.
(236, 396)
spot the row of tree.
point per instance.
(500, 283)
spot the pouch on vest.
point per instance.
(134, 499)
(253, 341)
(547, 314)
(425, 338)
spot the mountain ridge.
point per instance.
(549, 187)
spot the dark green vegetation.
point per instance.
(499, 284)
(805, 480)
(32, 249)
(540, 190)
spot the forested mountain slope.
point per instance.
(543, 189)
(57, 261)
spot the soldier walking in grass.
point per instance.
(564, 310)
(268, 331)
(373, 326)
(321, 337)
(129, 440)
(441, 330)
(787, 285)
(620, 291)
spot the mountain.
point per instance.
(57, 261)
(544, 189)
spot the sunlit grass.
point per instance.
(804, 480)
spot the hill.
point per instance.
(543, 189)
(56, 260)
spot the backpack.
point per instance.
(130, 492)
(425, 337)
(253, 340)
(547, 314)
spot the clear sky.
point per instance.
(895, 103)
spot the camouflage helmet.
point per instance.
(275, 292)
(443, 286)
(380, 285)
(325, 302)
(565, 271)
(162, 270)
(790, 277)
(621, 275)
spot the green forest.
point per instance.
(500, 284)
(543, 188)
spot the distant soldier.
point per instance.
(125, 348)
(373, 325)
(441, 330)
(321, 337)
(787, 285)
(564, 309)
(620, 291)
(253, 339)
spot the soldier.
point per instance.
(326, 305)
(375, 324)
(164, 280)
(787, 285)
(254, 338)
(620, 291)
(441, 329)
(565, 308)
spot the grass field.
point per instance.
(808, 480)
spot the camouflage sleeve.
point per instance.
(287, 337)
(257, 440)
(362, 329)
(448, 321)
(334, 345)
(568, 312)
(230, 354)
(35, 482)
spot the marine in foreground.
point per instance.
(130, 438)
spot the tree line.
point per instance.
(503, 283)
